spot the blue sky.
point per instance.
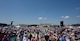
(35, 11)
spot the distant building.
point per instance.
(3, 24)
(75, 24)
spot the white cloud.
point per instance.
(65, 17)
(40, 18)
(78, 16)
(62, 16)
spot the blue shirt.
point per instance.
(63, 39)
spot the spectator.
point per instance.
(46, 37)
(25, 37)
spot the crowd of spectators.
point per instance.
(66, 33)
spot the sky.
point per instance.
(40, 11)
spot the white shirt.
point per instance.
(25, 39)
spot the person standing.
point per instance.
(63, 39)
(33, 39)
(46, 37)
(13, 37)
(30, 36)
(5, 38)
(1, 34)
(21, 35)
(25, 38)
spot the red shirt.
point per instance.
(33, 39)
(1, 35)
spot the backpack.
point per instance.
(21, 33)
(5, 38)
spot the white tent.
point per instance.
(18, 26)
(79, 27)
(70, 27)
